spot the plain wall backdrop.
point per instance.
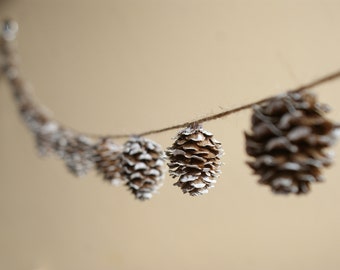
(128, 66)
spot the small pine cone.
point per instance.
(47, 137)
(107, 159)
(9, 29)
(288, 141)
(34, 118)
(195, 159)
(76, 151)
(142, 166)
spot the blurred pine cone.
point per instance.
(77, 151)
(195, 159)
(288, 141)
(46, 138)
(34, 118)
(107, 159)
(142, 166)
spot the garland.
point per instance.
(288, 143)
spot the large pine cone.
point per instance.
(142, 167)
(288, 141)
(195, 160)
(107, 158)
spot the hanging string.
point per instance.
(11, 71)
(317, 82)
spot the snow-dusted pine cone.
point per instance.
(46, 138)
(9, 29)
(107, 158)
(34, 118)
(8, 33)
(77, 152)
(142, 166)
(46, 131)
(34, 115)
(195, 160)
(288, 141)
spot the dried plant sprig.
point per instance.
(289, 141)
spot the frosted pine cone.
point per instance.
(77, 152)
(288, 141)
(107, 158)
(142, 167)
(35, 116)
(195, 160)
(47, 137)
(35, 119)
(7, 35)
(9, 30)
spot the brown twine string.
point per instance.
(327, 78)
(9, 54)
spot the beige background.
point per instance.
(128, 66)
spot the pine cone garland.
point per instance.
(107, 159)
(288, 141)
(142, 166)
(195, 159)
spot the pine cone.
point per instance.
(107, 158)
(9, 29)
(7, 35)
(142, 167)
(47, 137)
(288, 141)
(77, 152)
(34, 118)
(195, 159)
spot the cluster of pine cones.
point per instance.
(288, 141)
